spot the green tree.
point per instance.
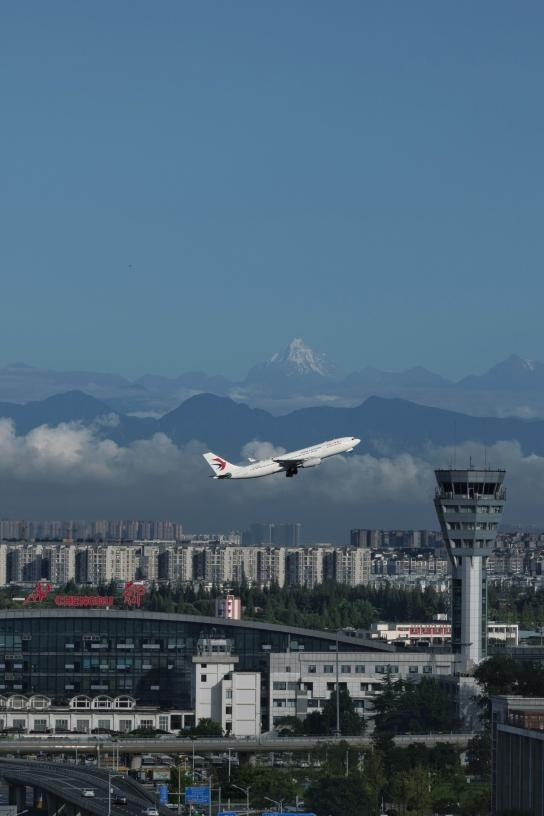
(206, 728)
(339, 796)
(406, 708)
(263, 782)
(351, 724)
(479, 754)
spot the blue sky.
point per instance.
(191, 184)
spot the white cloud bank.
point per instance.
(70, 472)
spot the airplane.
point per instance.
(288, 463)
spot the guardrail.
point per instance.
(185, 745)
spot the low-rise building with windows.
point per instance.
(303, 682)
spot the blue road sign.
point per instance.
(197, 795)
(163, 794)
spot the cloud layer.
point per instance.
(69, 471)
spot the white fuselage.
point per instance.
(305, 457)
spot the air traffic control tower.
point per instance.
(469, 504)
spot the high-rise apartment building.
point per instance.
(351, 566)
(305, 566)
(278, 534)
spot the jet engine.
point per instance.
(310, 463)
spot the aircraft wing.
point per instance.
(289, 463)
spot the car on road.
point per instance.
(119, 799)
(150, 811)
(88, 793)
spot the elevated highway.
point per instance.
(20, 746)
(59, 788)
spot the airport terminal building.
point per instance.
(80, 669)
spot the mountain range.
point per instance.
(386, 426)
(297, 377)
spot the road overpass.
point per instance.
(20, 746)
(59, 788)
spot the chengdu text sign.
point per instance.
(83, 600)
(133, 594)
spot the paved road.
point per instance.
(67, 782)
(174, 745)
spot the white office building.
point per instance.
(301, 682)
(221, 694)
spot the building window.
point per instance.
(330, 686)
(427, 669)
(163, 722)
(125, 726)
(312, 669)
(61, 725)
(82, 726)
(40, 725)
(278, 685)
(359, 669)
(228, 694)
(146, 723)
(203, 678)
(391, 669)
(346, 669)
(228, 709)
(19, 724)
(105, 724)
(328, 669)
(413, 669)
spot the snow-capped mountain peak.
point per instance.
(302, 359)
(296, 361)
(530, 365)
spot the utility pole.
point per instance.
(179, 788)
(246, 791)
(338, 732)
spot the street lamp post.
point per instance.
(110, 777)
(338, 732)
(179, 788)
(279, 804)
(246, 792)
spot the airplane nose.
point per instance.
(355, 440)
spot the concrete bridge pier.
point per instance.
(38, 798)
(52, 803)
(17, 796)
(247, 758)
(136, 762)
